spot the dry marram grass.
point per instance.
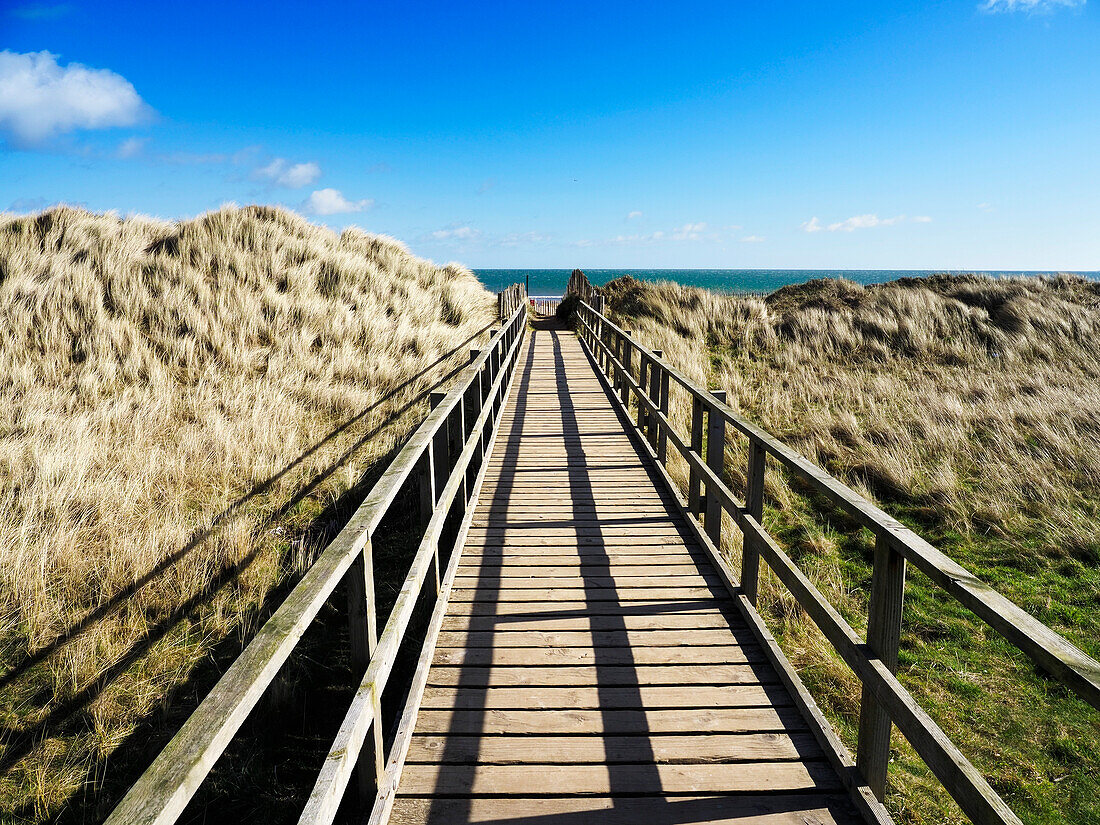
(166, 390)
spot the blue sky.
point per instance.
(961, 134)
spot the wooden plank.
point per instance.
(496, 594)
(601, 656)
(695, 622)
(519, 611)
(599, 779)
(604, 675)
(561, 569)
(534, 748)
(605, 721)
(492, 578)
(745, 809)
(504, 637)
(606, 698)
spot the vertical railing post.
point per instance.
(643, 389)
(363, 636)
(654, 393)
(625, 387)
(883, 637)
(754, 506)
(695, 492)
(716, 450)
(441, 465)
(662, 437)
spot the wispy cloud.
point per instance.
(40, 99)
(855, 222)
(131, 147)
(699, 231)
(282, 172)
(985, 206)
(333, 202)
(752, 239)
(1039, 6)
(689, 231)
(28, 205)
(456, 233)
(632, 215)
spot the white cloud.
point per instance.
(332, 202)
(689, 231)
(752, 239)
(861, 222)
(1028, 5)
(456, 233)
(292, 175)
(131, 147)
(632, 215)
(40, 99)
(985, 206)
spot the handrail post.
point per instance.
(716, 450)
(754, 506)
(643, 389)
(363, 638)
(662, 436)
(883, 637)
(695, 492)
(654, 393)
(628, 347)
(440, 448)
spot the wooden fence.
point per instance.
(445, 455)
(641, 378)
(509, 300)
(545, 304)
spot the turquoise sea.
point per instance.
(552, 281)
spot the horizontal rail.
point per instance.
(886, 701)
(161, 793)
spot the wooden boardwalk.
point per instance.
(591, 667)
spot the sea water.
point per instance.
(553, 281)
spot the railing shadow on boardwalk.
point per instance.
(18, 742)
(617, 680)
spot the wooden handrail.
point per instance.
(885, 701)
(161, 793)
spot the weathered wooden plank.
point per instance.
(600, 779)
(504, 637)
(491, 578)
(533, 748)
(695, 622)
(559, 570)
(600, 656)
(623, 594)
(606, 721)
(606, 698)
(744, 809)
(605, 675)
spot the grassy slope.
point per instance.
(970, 409)
(182, 409)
